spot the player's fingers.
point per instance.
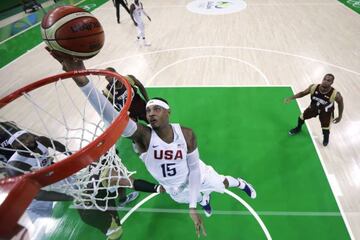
(197, 227)
(203, 229)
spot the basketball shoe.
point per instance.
(294, 131)
(115, 231)
(247, 188)
(129, 198)
(205, 204)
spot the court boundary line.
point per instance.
(326, 171)
(205, 47)
(208, 56)
(229, 47)
(226, 212)
(231, 194)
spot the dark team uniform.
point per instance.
(321, 105)
(117, 6)
(5, 148)
(118, 97)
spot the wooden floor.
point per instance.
(272, 42)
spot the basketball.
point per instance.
(73, 31)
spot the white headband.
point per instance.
(15, 136)
(157, 102)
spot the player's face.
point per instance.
(109, 79)
(112, 80)
(327, 81)
(157, 116)
(26, 139)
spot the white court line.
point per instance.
(226, 47)
(226, 212)
(327, 174)
(219, 86)
(245, 204)
(252, 211)
(208, 56)
(137, 206)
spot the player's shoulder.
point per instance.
(188, 132)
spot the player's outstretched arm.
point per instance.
(298, 95)
(193, 159)
(143, 10)
(139, 133)
(141, 87)
(135, 131)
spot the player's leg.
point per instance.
(122, 2)
(240, 183)
(325, 120)
(310, 112)
(141, 28)
(214, 181)
(117, 6)
(108, 222)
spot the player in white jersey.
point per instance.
(169, 151)
(31, 152)
(136, 12)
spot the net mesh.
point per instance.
(59, 119)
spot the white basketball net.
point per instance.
(62, 113)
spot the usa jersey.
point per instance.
(138, 11)
(167, 162)
(41, 160)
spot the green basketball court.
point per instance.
(241, 131)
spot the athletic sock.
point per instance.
(233, 182)
(145, 186)
(300, 123)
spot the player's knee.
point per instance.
(226, 183)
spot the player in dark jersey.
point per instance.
(23, 160)
(322, 104)
(6, 130)
(116, 93)
(117, 6)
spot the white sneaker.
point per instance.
(248, 188)
(205, 204)
(115, 231)
(138, 42)
(129, 198)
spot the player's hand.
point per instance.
(287, 100)
(336, 120)
(160, 189)
(197, 222)
(68, 153)
(68, 62)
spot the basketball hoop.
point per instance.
(56, 108)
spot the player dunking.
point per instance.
(136, 12)
(169, 152)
